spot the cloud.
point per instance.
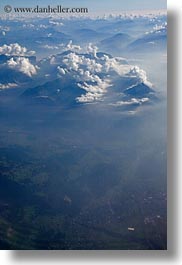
(89, 97)
(87, 76)
(92, 49)
(61, 71)
(55, 23)
(140, 75)
(132, 101)
(71, 47)
(116, 65)
(158, 29)
(49, 47)
(7, 86)
(96, 74)
(23, 65)
(15, 49)
(72, 61)
(162, 26)
(94, 92)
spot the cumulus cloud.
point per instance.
(87, 76)
(96, 74)
(89, 97)
(92, 49)
(72, 61)
(94, 92)
(140, 74)
(23, 65)
(71, 47)
(116, 65)
(15, 49)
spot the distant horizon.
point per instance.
(89, 14)
(94, 5)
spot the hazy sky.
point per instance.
(93, 5)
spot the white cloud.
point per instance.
(87, 75)
(23, 65)
(140, 74)
(61, 70)
(94, 92)
(49, 47)
(71, 47)
(56, 23)
(95, 75)
(8, 85)
(133, 101)
(72, 61)
(89, 97)
(15, 49)
(115, 64)
(160, 27)
(92, 49)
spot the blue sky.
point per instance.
(93, 5)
